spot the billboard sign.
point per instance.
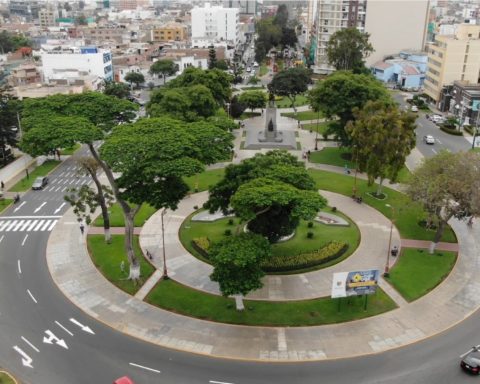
(354, 283)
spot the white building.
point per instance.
(215, 23)
(90, 60)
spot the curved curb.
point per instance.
(450, 303)
(10, 376)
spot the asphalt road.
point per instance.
(443, 141)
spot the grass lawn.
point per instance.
(417, 272)
(299, 244)
(5, 378)
(178, 298)
(4, 204)
(263, 70)
(407, 213)
(284, 102)
(108, 257)
(322, 127)
(247, 115)
(116, 216)
(340, 157)
(42, 170)
(70, 151)
(304, 115)
(202, 181)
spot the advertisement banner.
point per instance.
(354, 283)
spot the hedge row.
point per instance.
(329, 252)
(451, 131)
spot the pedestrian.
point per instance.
(2, 185)
(82, 228)
(394, 251)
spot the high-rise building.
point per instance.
(216, 24)
(393, 25)
(453, 58)
(248, 7)
(24, 8)
(47, 16)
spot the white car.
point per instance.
(428, 139)
(249, 69)
(414, 108)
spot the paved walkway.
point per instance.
(74, 273)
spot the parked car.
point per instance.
(124, 380)
(428, 139)
(414, 108)
(471, 360)
(40, 182)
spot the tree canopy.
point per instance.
(237, 261)
(164, 68)
(281, 186)
(136, 78)
(9, 107)
(253, 99)
(447, 185)
(290, 83)
(381, 139)
(340, 93)
(347, 49)
(120, 90)
(214, 79)
(10, 42)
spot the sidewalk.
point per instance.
(74, 273)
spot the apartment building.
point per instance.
(393, 25)
(169, 32)
(215, 23)
(47, 17)
(451, 58)
(102, 34)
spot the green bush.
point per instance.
(309, 235)
(450, 131)
(310, 224)
(228, 232)
(329, 252)
(202, 245)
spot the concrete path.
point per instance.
(182, 266)
(76, 276)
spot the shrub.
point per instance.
(195, 207)
(310, 224)
(330, 251)
(451, 131)
(469, 129)
(309, 235)
(334, 209)
(202, 245)
(228, 232)
(230, 221)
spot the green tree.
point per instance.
(236, 261)
(340, 93)
(347, 49)
(120, 90)
(223, 122)
(136, 78)
(381, 138)
(281, 17)
(236, 108)
(290, 83)
(269, 35)
(222, 65)
(164, 68)
(9, 108)
(219, 82)
(289, 37)
(253, 99)
(10, 42)
(212, 58)
(289, 193)
(447, 186)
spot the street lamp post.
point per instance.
(387, 265)
(354, 192)
(316, 133)
(165, 274)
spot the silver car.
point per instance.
(40, 182)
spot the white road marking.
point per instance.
(57, 189)
(65, 329)
(25, 225)
(47, 223)
(1, 238)
(30, 217)
(143, 367)
(439, 142)
(20, 206)
(64, 188)
(19, 267)
(30, 344)
(26, 360)
(52, 225)
(218, 382)
(59, 208)
(3, 225)
(34, 222)
(61, 174)
(33, 298)
(434, 151)
(85, 328)
(52, 338)
(39, 224)
(12, 224)
(40, 207)
(20, 223)
(24, 239)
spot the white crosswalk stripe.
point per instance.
(41, 225)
